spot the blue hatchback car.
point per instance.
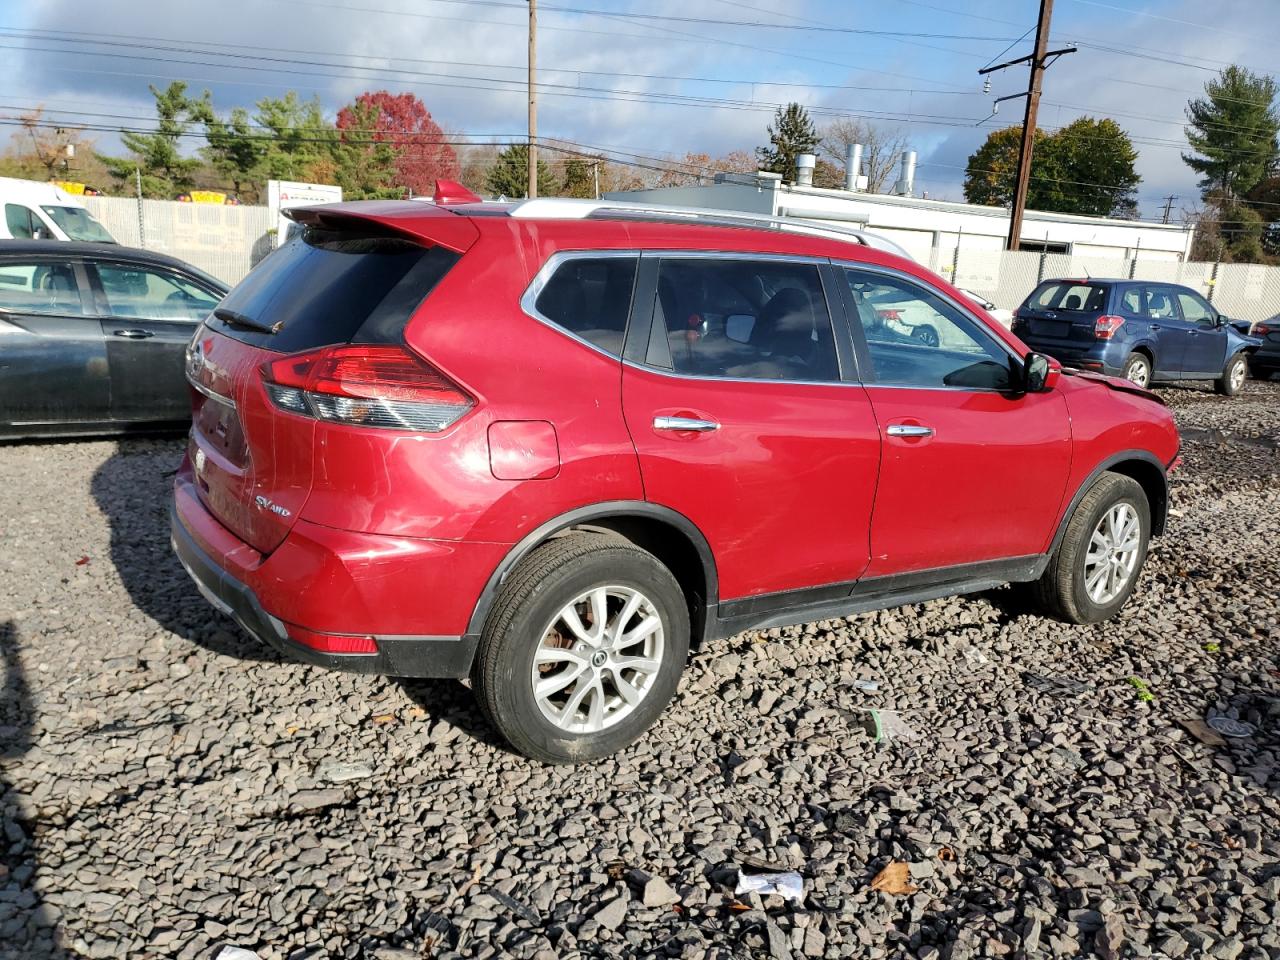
(1141, 330)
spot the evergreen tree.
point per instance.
(791, 134)
(1232, 131)
(235, 149)
(509, 175)
(165, 171)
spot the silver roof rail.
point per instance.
(565, 208)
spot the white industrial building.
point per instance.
(931, 230)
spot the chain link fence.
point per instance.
(222, 240)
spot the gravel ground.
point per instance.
(169, 787)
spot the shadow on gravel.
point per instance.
(450, 701)
(27, 928)
(133, 488)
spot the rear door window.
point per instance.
(39, 288)
(1070, 295)
(326, 287)
(1161, 303)
(151, 294)
(590, 297)
(751, 319)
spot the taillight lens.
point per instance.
(1262, 329)
(1105, 327)
(366, 385)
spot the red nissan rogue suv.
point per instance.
(550, 445)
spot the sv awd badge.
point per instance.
(264, 504)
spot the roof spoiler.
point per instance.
(427, 222)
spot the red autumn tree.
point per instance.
(402, 121)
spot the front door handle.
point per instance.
(909, 430)
(1154, 326)
(685, 423)
(134, 334)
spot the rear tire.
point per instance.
(601, 680)
(1137, 369)
(1079, 584)
(1233, 376)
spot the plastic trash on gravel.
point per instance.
(787, 884)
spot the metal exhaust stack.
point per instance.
(907, 181)
(852, 167)
(804, 169)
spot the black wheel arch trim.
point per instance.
(584, 515)
(1159, 511)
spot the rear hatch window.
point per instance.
(1070, 296)
(254, 463)
(328, 287)
(1064, 309)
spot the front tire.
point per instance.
(1233, 376)
(1137, 369)
(583, 649)
(1096, 566)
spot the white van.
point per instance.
(43, 211)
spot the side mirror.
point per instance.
(1040, 373)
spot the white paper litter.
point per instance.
(789, 885)
(236, 953)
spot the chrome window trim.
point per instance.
(529, 298)
(707, 377)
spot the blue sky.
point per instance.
(657, 87)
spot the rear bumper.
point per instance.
(401, 655)
(1096, 356)
(1266, 357)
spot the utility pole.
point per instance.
(1039, 61)
(1168, 209)
(533, 99)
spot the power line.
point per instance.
(157, 43)
(718, 22)
(492, 84)
(684, 36)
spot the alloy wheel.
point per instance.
(598, 659)
(1113, 553)
(1238, 371)
(1138, 373)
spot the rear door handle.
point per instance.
(909, 430)
(134, 334)
(685, 423)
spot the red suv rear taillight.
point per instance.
(366, 385)
(1105, 327)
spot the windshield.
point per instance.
(76, 223)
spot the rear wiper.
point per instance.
(240, 320)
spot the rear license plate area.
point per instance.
(1059, 329)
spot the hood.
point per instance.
(1115, 383)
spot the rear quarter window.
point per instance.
(590, 297)
(1071, 296)
(325, 287)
